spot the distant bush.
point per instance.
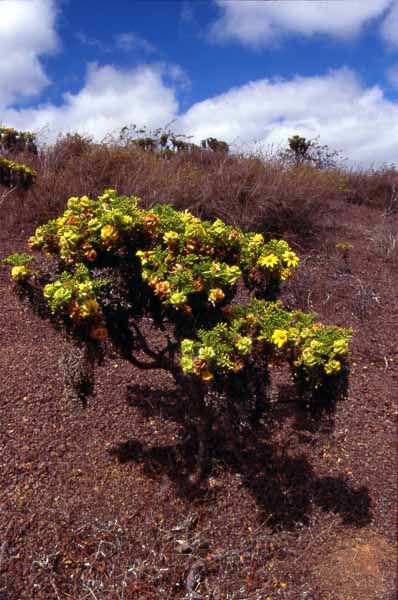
(166, 142)
(110, 263)
(13, 141)
(12, 174)
(303, 151)
(15, 175)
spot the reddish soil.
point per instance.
(95, 502)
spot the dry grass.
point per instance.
(249, 191)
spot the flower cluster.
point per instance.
(75, 296)
(183, 258)
(89, 227)
(220, 349)
(265, 326)
(191, 267)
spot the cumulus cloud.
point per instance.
(361, 122)
(110, 99)
(260, 23)
(389, 27)
(27, 31)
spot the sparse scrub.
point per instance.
(374, 188)
(385, 241)
(250, 192)
(344, 251)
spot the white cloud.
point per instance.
(131, 41)
(361, 122)
(257, 23)
(110, 99)
(389, 27)
(27, 31)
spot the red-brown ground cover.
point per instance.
(94, 502)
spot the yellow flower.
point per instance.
(19, 273)
(89, 308)
(256, 240)
(127, 221)
(170, 237)
(187, 346)
(332, 366)
(285, 274)
(109, 235)
(187, 364)
(340, 347)
(60, 222)
(73, 202)
(270, 261)
(244, 344)
(216, 295)
(69, 240)
(93, 225)
(85, 202)
(206, 352)
(279, 337)
(290, 258)
(309, 359)
(178, 298)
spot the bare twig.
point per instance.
(4, 544)
(5, 194)
(198, 565)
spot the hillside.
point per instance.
(95, 501)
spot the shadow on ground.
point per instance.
(284, 486)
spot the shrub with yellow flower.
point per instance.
(115, 267)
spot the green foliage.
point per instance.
(18, 259)
(267, 327)
(19, 263)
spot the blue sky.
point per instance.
(251, 72)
